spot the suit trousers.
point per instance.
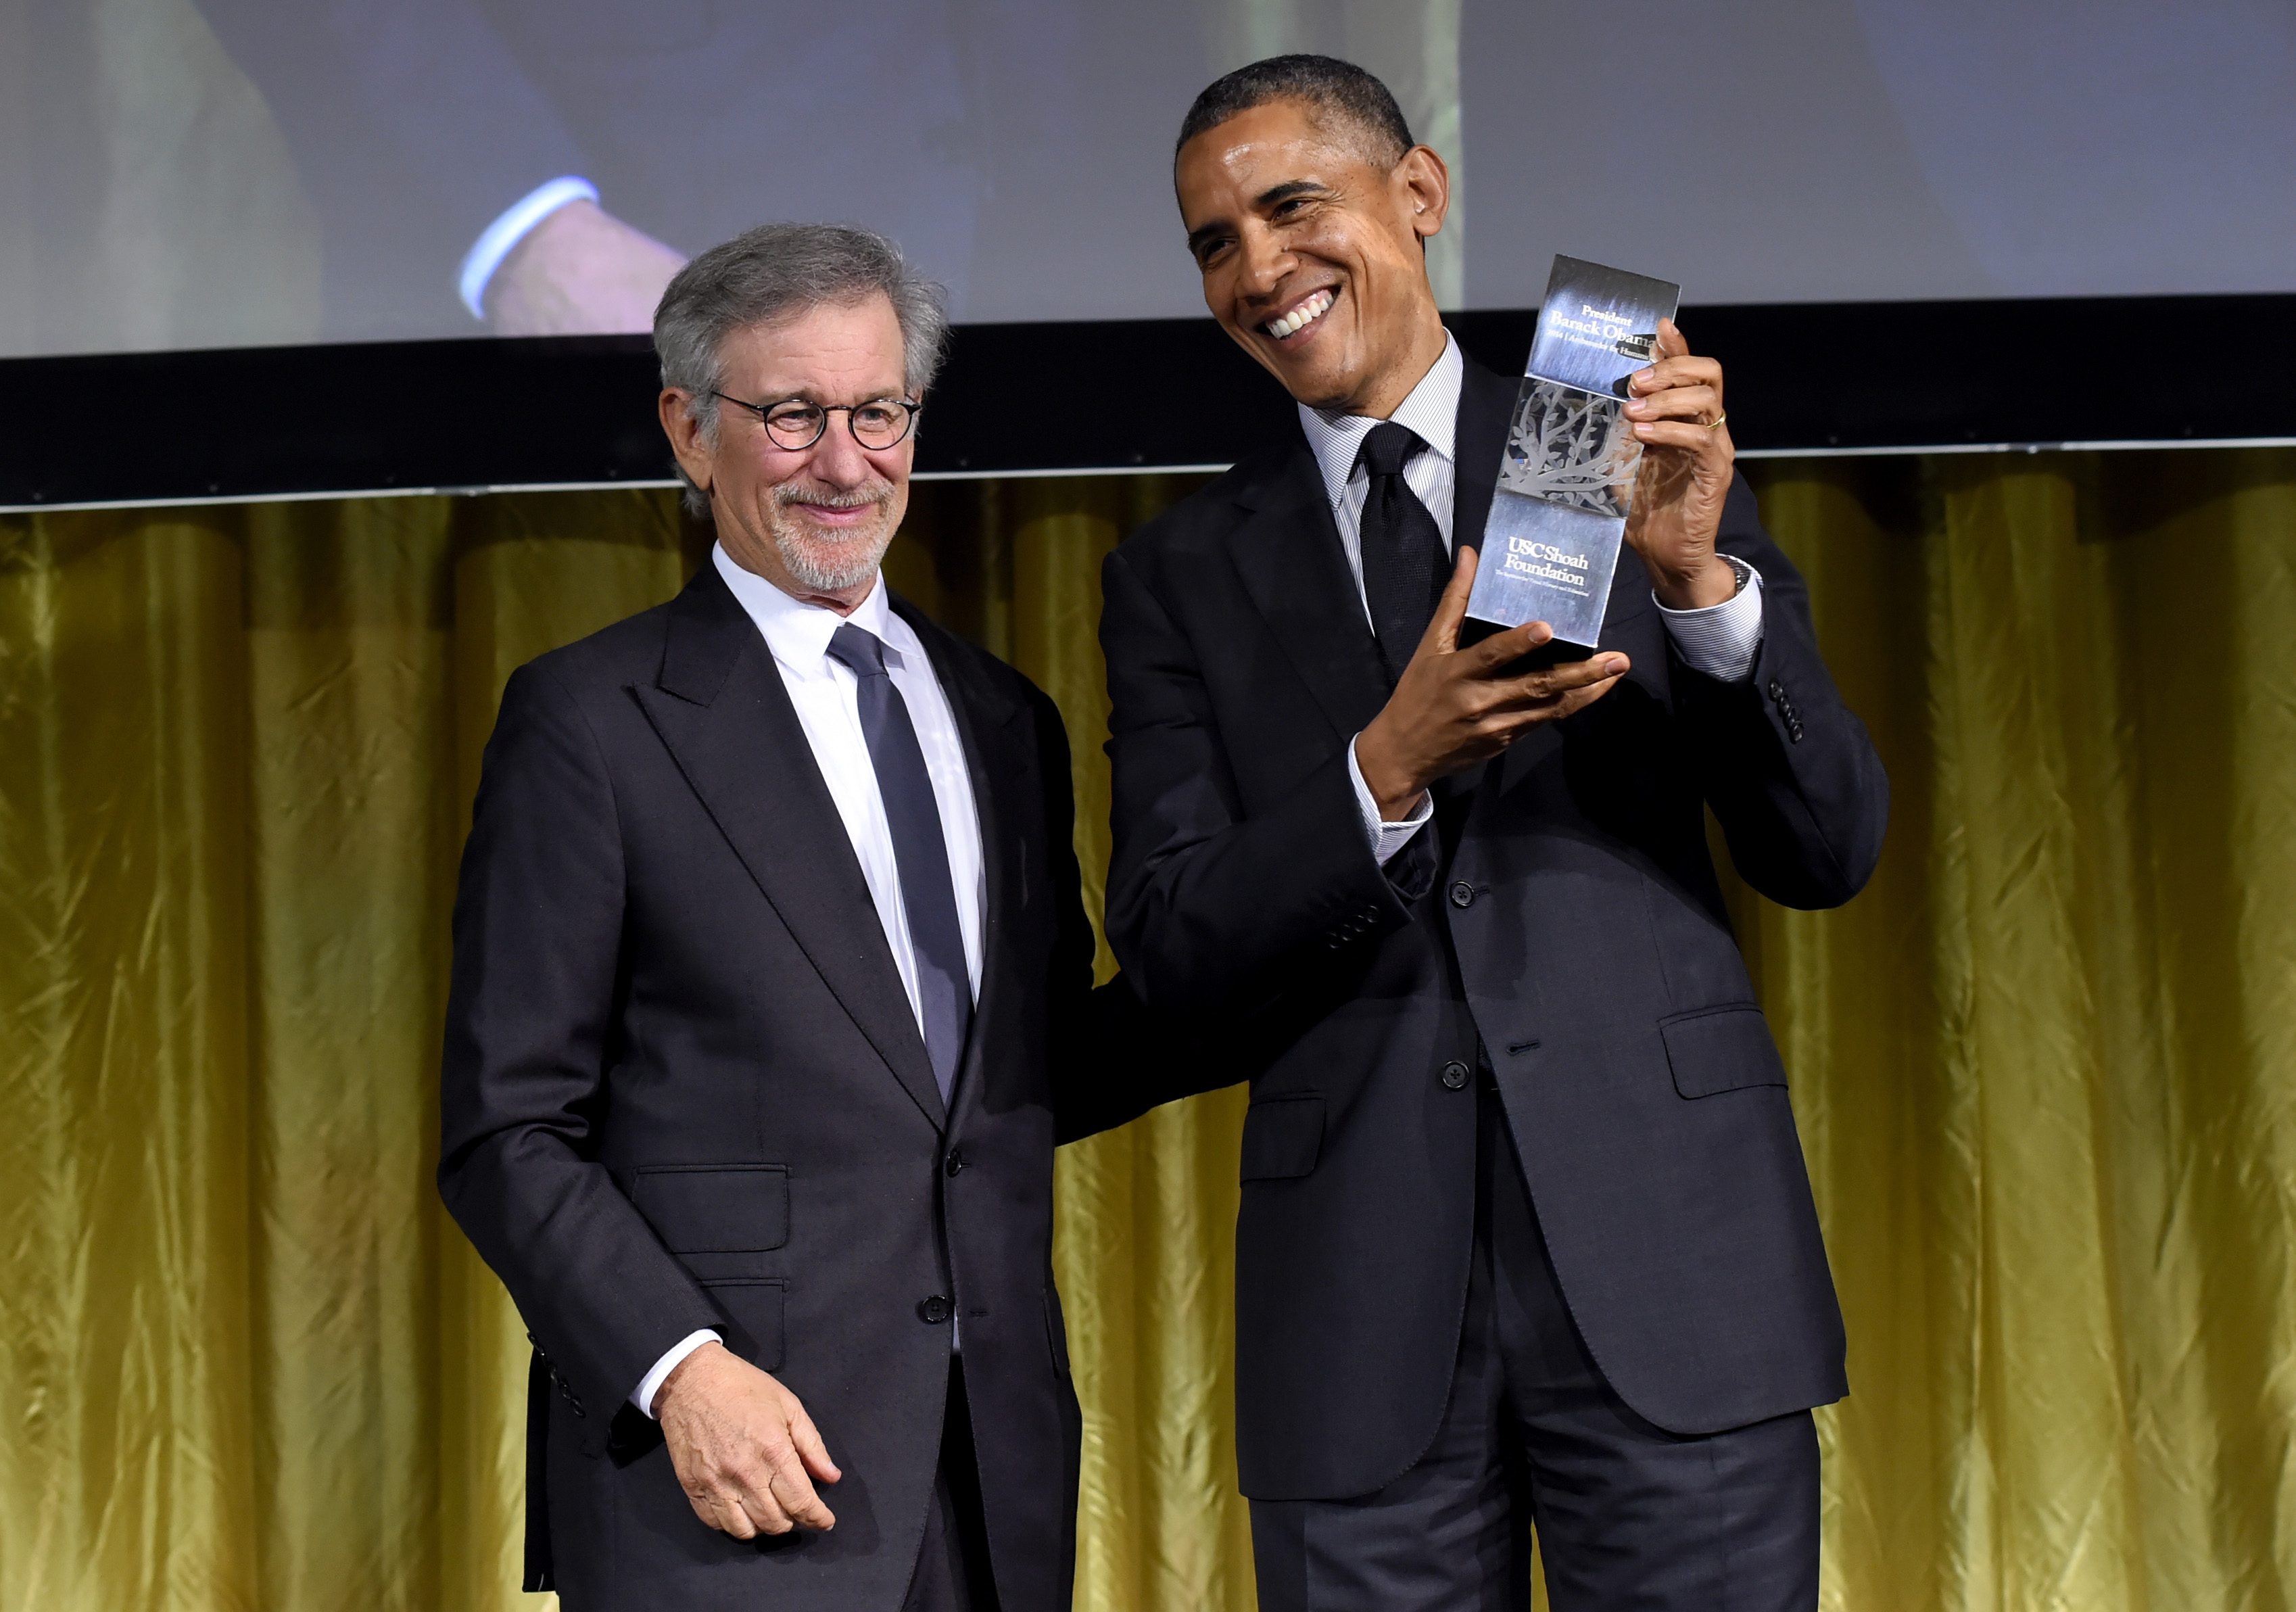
(953, 1572)
(1628, 1515)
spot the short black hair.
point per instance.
(1335, 91)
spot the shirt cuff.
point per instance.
(1721, 640)
(497, 240)
(650, 1384)
(1386, 838)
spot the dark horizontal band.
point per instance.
(263, 422)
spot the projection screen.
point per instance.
(195, 173)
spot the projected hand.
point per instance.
(581, 271)
(1685, 475)
(1455, 707)
(745, 1450)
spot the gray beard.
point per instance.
(830, 564)
(833, 566)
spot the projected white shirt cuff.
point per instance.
(650, 1384)
(1721, 640)
(497, 241)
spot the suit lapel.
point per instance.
(722, 710)
(997, 765)
(1486, 404)
(1288, 555)
(1292, 564)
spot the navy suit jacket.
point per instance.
(1562, 918)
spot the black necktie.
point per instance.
(928, 892)
(1404, 564)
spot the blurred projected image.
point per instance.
(227, 172)
(216, 173)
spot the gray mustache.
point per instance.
(783, 496)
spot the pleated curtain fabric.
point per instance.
(2046, 1066)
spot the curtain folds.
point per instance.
(2044, 1065)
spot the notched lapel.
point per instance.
(1486, 405)
(999, 763)
(1288, 555)
(724, 716)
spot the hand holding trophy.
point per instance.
(1686, 467)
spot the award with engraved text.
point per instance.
(1567, 474)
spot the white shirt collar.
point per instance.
(798, 633)
(1432, 410)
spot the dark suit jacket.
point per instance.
(1562, 915)
(683, 1088)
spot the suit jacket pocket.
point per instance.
(714, 1208)
(1283, 1137)
(1725, 1048)
(753, 1305)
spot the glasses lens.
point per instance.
(880, 424)
(794, 424)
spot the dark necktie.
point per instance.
(1404, 562)
(928, 892)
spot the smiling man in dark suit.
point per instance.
(1526, 1232)
(767, 953)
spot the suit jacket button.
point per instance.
(1463, 894)
(935, 1309)
(955, 1164)
(1454, 1075)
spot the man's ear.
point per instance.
(676, 408)
(1423, 185)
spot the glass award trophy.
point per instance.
(1567, 474)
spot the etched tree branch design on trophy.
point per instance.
(1573, 448)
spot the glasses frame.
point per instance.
(910, 412)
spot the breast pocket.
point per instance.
(1283, 1137)
(1718, 1049)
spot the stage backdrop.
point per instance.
(2044, 1066)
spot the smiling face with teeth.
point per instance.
(1313, 255)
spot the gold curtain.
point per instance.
(2042, 1067)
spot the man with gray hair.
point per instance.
(769, 951)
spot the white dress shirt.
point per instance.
(1719, 640)
(825, 692)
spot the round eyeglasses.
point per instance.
(795, 424)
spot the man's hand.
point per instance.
(1685, 475)
(581, 271)
(1455, 707)
(745, 1450)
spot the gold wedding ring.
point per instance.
(1716, 423)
